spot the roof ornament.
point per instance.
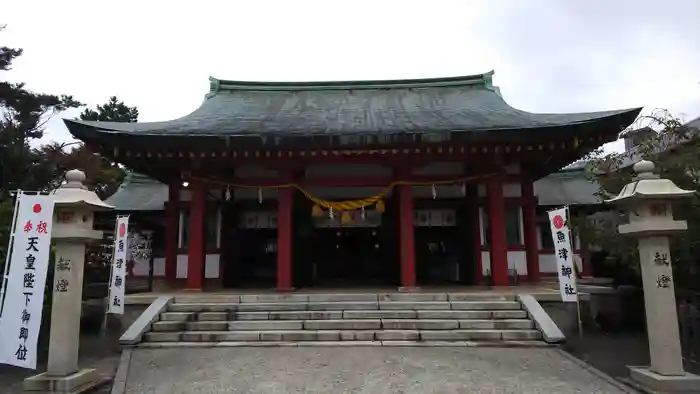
(73, 192)
(648, 185)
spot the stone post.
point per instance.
(72, 231)
(647, 200)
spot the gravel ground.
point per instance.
(359, 370)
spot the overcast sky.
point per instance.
(549, 55)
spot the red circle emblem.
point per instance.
(36, 208)
(558, 222)
(122, 229)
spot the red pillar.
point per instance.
(284, 239)
(195, 251)
(172, 232)
(532, 253)
(497, 229)
(473, 201)
(406, 237)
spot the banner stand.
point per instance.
(114, 303)
(103, 328)
(578, 300)
(560, 225)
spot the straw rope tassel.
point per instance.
(347, 205)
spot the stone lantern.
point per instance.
(647, 200)
(72, 231)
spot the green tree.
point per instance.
(112, 111)
(103, 175)
(23, 117)
(674, 147)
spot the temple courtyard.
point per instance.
(376, 370)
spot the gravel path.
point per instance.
(379, 370)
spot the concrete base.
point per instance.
(79, 382)
(408, 289)
(661, 384)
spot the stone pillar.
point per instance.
(66, 306)
(660, 304)
(172, 232)
(196, 243)
(72, 230)
(647, 201)
(497, 231)
(532, 253)
(284, 239)
(407, 248)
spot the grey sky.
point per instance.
(549, 55)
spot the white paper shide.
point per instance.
(118, 278)
(24, 292)
(563, 251)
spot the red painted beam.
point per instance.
(497, 229)
(407, 238)
(530, 231)
(354, 181)
(196, 250)
(284, 240)
(172, 209)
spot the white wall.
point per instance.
(516, 260)
(548, 262)
(211, 266)
(512, 189)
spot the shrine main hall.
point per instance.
(335, 184)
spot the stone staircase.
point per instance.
(393, 319)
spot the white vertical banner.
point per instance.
(564, 253)
(117, 282)
(24, 293)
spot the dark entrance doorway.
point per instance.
(445, 251)
(350, 256)
(248, 245)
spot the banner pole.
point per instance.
(111, 278)
(578, 315)
(6, 269)
(578, 293)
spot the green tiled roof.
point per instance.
(139, 193)
(271, 109)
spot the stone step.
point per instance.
(346, 335)
(335, 315)
(343, 324)
(353, 297)
(426, 324)
(502, 343)
(343, 306)
(476, 314)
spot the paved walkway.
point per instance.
(369, 370)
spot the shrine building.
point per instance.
(382, 183)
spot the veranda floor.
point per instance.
(543, 291)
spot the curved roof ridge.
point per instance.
(485, 79)
(401, 106)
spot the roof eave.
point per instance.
(485, 79)
(78, 128)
